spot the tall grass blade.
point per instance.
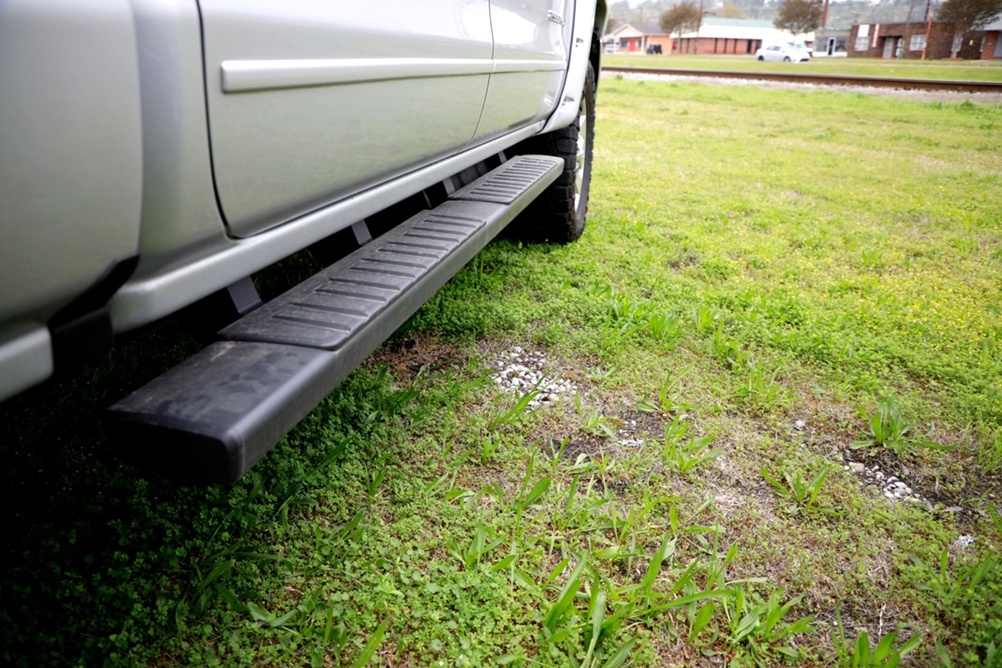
(702, 618)
(666, 549)
(910, 645)
(944, 656)
(621, 654)
(521, 406)
(597, 617)
(371, 646)
(565, 599)
(884, 647)
(537, 491)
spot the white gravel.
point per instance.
(625, 435)
(963, 542)
(892, 487)
(522, 372)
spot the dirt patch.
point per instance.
(570, 450)
(405, 356)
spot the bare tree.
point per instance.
(683, 17)
(731, 11)
(962, 16)
(799, 16)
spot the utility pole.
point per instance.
(928, 27)
(698, 25)
(908, 27)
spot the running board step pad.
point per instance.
(210, 418)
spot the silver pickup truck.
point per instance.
(155, 154)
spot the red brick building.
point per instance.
(991, 47)
(908, 40)
(715, 36)
(638, 38)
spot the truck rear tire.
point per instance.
(558, 215)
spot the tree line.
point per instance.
(802, 16)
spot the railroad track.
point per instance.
(822, 79)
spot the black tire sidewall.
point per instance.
(588, 101)
(554, 216)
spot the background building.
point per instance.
(831, 42)
(991, 48)
(735, 36)
(907, 40)
(715, 36)
(629, 38)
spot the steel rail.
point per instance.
(822, 79)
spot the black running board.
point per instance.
(212, 417)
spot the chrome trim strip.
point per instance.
(506, 66)
(239, 76)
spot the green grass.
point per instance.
(758, 290)
(964, 70)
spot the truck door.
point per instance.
(311, 101)
(531, 41)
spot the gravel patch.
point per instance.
(964, 542)
(891, 487)
(521, 372)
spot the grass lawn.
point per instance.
(964, 70)
(770, 315)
